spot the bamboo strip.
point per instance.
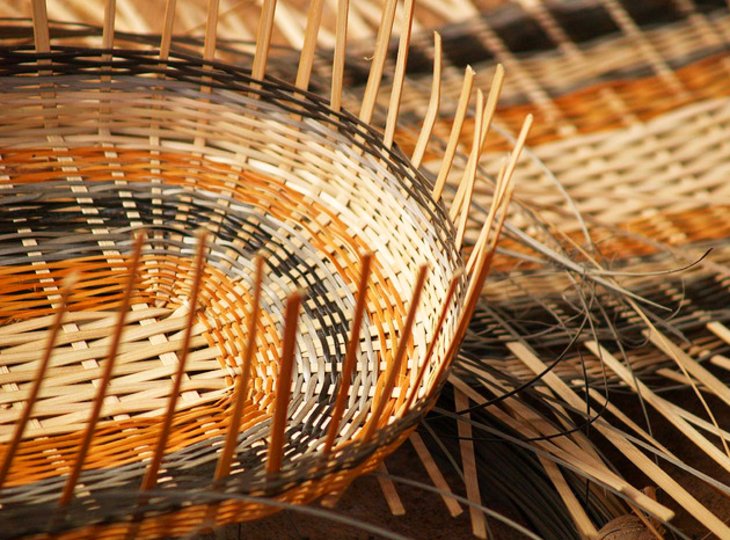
(581, 462)
(306, 56)
(721, 361)
(456, 127)
(263, 39)
(393, 369)
(107, 41)
(582, 522)
(455, 281)
(429, 117)
(480, 245)
(662, 479)
(211, 30)
(226, 456)
(390, 492)
(691, 367)
(338, 60)
(38, 378)
(660, 405)
(485, 121)
(720, 330)
(385, 30)
(130, 359)
(399, 74)
(460, 210)
(150, 478)
(618, 413)
(283, 384)
(27, 331)
(23, 355)
(699, 422)
(350, 362)
(573, 445)
(466, 445)
(435, 474)
(70, 397)
(41, 37)
(483, 264)
(167, 29)
(78, 464)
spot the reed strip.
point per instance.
(350, 362)
(78, 464)
(38, 378)
(283, 384)
(381, 398)
(150, 479)
(241, 393)
(468, 461)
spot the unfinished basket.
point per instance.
(210, 281)
(624, 186)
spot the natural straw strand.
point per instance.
(353, 343)
(88, 434)
(150, 479)
(224, 461)
(40, 374)
(283, 384)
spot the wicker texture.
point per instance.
(624, 185)
(170, 149)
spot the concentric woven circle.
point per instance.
(94, 147)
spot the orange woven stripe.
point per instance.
(270, 195)
(587, 109)
(121, 442)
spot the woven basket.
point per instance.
(98, 146)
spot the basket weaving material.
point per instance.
(98, 146)
(588, 341)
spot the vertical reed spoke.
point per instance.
(150, 479)
(306, 57)
(167, 29)
(436, 334)
(348, 366)
(223, 467)
(456, 126)
(263, 39)
(376, 67)
(429, 118)
(338, 61)
(98, 402)
(400, 73)
(468, 460)
(283, 384)
(381, 399)
(41, 36)
(211, 30)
